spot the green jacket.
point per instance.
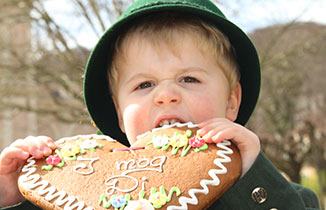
(262, 188)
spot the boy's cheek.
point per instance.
(205, 110)
(134, 123)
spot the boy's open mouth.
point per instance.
(168, 122)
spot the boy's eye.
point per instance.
(144, 85)
(189, 80)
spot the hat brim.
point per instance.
(96, 92)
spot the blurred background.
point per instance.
(44, 46)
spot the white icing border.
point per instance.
(50, 191)
(89, 136)
(177, 124)
(184, 201)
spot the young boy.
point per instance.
(174, 61)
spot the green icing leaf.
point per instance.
(188, 133)
(204, 147)
(61, 164)
(48, 167)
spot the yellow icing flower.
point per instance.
(70, 150)
(158, 199)
(179, 141)
(183, 140)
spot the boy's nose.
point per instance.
(166, 94)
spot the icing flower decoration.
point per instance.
(141, 204)
(160, 141)
(158, 199)
(53, 160)
(115, 201)
(90, 144)
(179, 140)
(70, 151)
(197, 141)
(118, 201)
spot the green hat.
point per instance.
(97, 96)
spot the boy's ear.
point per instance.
(234, 102)
(120, 118)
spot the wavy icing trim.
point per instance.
(50, 191)
(184, 201)
(90, 136)
(179, 125)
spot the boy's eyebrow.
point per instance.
(136, 76)
(194, 69)
(180, 71)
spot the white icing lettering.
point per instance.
(130, 167)
(143, 184)
(143, 160)
(126, 164)
(113, 185)
(83, 166)
(160, 163)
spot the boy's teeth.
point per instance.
(167, 122)
(164, 122)
(174, 121)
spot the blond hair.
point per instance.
(162, 28)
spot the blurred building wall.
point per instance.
(18, 86)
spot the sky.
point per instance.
(258, 14)
(248, 15)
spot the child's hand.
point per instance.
(12, 159)
(219, 129)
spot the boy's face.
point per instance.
(159, 85)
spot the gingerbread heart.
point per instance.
(168, 168)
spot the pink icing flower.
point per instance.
(53, 160)
(197, 142)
